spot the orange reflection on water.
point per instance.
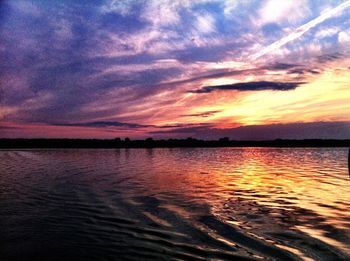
(309, 185)
(306, 190)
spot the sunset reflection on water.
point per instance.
(256, 202)
(309, 186)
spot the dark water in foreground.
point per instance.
(212, 203)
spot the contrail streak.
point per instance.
(301, 30)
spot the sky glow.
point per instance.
(206, 69)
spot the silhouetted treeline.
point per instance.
(169, 143)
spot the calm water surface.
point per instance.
(183, 204)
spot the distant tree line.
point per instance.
(165, 143)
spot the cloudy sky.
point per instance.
(165, 68)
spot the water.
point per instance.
(182, 204)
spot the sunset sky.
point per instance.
(164, 68)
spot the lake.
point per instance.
(177, 204)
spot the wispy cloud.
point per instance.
(295, 34)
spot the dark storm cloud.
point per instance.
(202, 114)
(281, 66)
(181, 126)
(303, 71)
(251, 86)
(183, 131)
(103, 124)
